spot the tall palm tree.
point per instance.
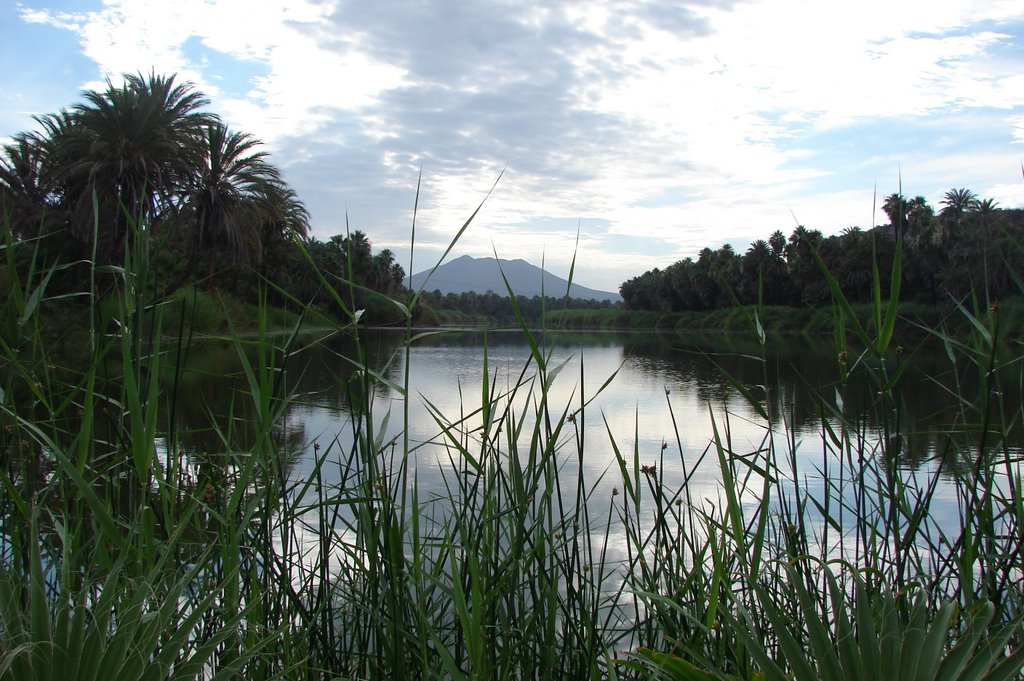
(31, 175)
(809, 288)
(995, 274)
(229, 196)
(986, 208)
(133, 146)
(895, 208)
(388, 275)
(144, 154)
(283, 219)
(755, 270)
(919, 217)
(956, 202)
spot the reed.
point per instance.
(128, 555)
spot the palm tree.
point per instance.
(388, 275)
(283, 220)
(809, 285)
(143, 154)
(985, 207)
(25, 198)
(755, 270)
(851, 261)
(919, 217)
(357, 254)
(956, 202)
(133, 146)
(228, 194)
(995, 274)
(895, 207)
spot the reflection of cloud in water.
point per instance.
(652, 418)
(306, 550)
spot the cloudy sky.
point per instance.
(649, 128)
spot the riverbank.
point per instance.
(914, 320)
(199, 313)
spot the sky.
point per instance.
(626, 134)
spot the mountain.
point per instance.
(466, 274)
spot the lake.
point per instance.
(655, 401)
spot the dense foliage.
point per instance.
(963, 248)
(499, 309)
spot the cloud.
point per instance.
(1017, 128)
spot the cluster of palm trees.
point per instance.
(145, 155)
(969, 245)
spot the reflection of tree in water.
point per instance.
(330, 371)
(802, 377)
(210, 411)
(213, 411)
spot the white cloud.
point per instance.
(1017, 127)
(1007, 195)
(305, 81)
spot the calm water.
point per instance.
(653, 379)
(661, 404)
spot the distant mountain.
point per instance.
(465, 274)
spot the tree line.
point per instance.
(968, 245)
(497, 308)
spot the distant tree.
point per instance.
(957, 202)
(640, 293)
(850, 261)
(895, 207)
(756, 271)
(387, 276)
(808, 284)
(960, 252)
(919, 216)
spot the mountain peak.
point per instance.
(480, 275)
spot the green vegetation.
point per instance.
(913, 323)
(966, 249)
(492, 309)
(145, 153)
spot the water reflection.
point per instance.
(664, 389)
(660, 410)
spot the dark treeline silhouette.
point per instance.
(350, 267)
(968, 246)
